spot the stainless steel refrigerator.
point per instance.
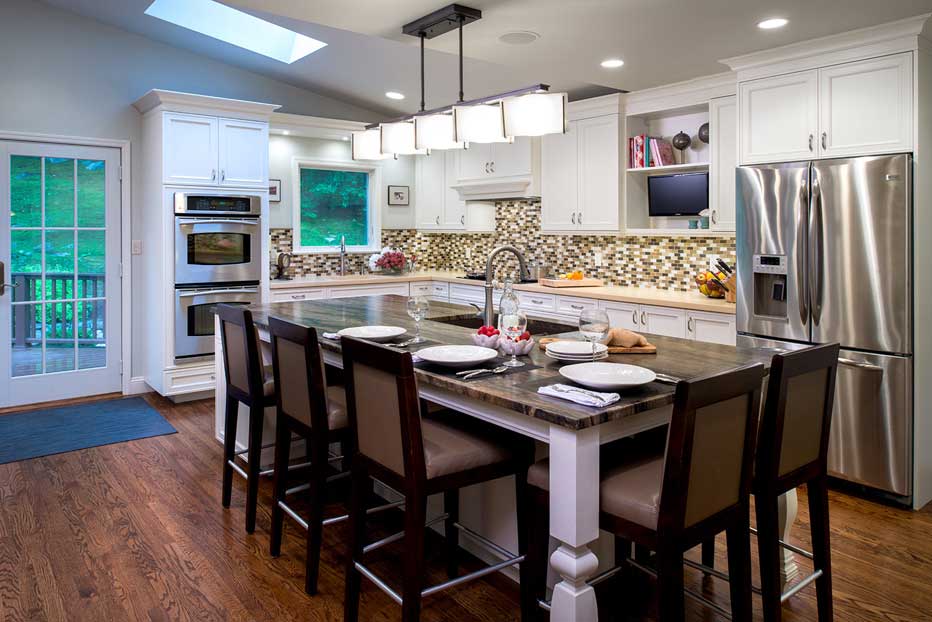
(824, 255)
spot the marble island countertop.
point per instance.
(638, 295)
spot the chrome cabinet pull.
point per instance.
(579, 218)
(810, 142)
(714, 217)
(574, 218)
(438, 220)
(463, 219)
(536, 302)
(577, 307)
(298, 296)
(634, 317)
(223, 174)
(643, 319)
(689, 325)
(824, 136)
(213, 174)
(487, 168)
(492, 166)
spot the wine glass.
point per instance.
(418, 306)
(594, 326)
(513, 325)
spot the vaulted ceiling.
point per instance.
(661, 41)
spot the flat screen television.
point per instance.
(685, 194)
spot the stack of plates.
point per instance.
(576, 351)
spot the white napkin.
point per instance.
(580, 396)
(333, 336)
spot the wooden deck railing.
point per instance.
(27, 321)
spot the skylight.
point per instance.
(236, 27)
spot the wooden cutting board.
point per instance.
(648, 349)
(570, 282)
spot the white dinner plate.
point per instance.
(576, 359)
(373, 333)
(607, 376)
(457, 356)
(575, 348)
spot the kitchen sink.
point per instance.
(534, 326)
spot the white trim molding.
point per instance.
(203, 104)
(695, 92)
(312, 127)
(375, 203)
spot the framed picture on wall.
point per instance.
(398, 195)
(275, 191)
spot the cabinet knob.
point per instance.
(810, 142)
(824, 137)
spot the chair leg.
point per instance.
(768, 545)
(672, 605)
(315, 521)
(451, 506)
(739, 570)
(256, 415)
(282, 457)
(708, 553)
(229, 448)
(821, 552)
(359, 490)
(415, 517)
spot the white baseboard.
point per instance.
(137, 385)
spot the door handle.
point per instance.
(689, 325)
(463, 219)
(573, 218)
(492, 166)
(643, 319)
(577, 307)
(634, 317)
(223, 174)
(810, 142)
(213, 174)
(579, 218)
(714, 217)
(246, 222)
(802, 279)
(487, 167)
(3, 285)
(815, 253)
(824, 146)
(860, 365)
(438, 220)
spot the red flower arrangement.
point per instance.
(392, 261)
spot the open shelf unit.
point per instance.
(672, 168)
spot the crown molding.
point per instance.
(890, 38)
(595, 107)
(312, 127)
(689, 93)
(174, 101)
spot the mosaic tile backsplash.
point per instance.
(649, 261)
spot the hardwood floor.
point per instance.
(135, 531)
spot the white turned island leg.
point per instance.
(574, 521)
(787, 507)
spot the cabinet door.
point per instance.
(474, 162)
(297, 295)
(779, 118)
(663, 321)
(599, 172)
(723, 143)
(511, 159)
(866, 107)
(351, 291)
(558, 184)
(189, 146)
(711, 327)
(622, 314)
(429, 190)
(244, 154)
(454, 208)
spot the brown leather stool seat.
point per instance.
(451, 448)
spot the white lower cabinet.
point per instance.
(664, 321)
(297, 295)
(671, 322)
(438, 290)
(421, 288)
(349, 291)
(622, 314)
(711, 327)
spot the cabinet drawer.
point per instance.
(189, 379)
(439, 289)
(400, 289)
(570, 305)
(472, 293)
(421, 289)
(531, 302)
(711, 327)
(297, 295)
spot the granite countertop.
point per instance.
(638, 295)
(681, 358)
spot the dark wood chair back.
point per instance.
(383, 409)
(242, 364)
(710, 449)
(298, 369)
(797, 417)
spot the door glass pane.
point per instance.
(26, 340)
(26, 264)
(59, 264)
(218, 249)
(201, 319)
(92, 344)
(91, 263)
(25, 191)
(59, 337)
(59, 192)
(91, 193)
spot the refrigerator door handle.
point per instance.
(815, 259)
(859, 364)
(802, 280)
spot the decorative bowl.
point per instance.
(518, 348)
(486, 341)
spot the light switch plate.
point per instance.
(468, 253)
(597, 258)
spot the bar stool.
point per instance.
(248, 382)
(309, 409)
(417, 457)
(792, 451)
(670, 503)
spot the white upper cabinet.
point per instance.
(599, 172)
(474, 162)
(779, 118)
(499, 170)
(437, 204)
(208, 151)
(559, 200)
(454, 208)
(190, 149)
(866, 107)
(429, 190)
(511, 159)
(723, 145)
(244, 153)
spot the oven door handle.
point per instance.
(214, 292)
(249, 222)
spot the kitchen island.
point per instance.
(572, 432)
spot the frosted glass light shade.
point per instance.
(482, 123)
(436, 131)
(398, 138)
(535, 114)
(367, 145)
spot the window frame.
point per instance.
(375, 204)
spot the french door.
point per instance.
(60, 312)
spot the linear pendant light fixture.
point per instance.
(531, 111)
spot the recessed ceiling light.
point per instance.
(519, 37)
(770, 24)
(612, 63)
(236, 28)
(394, 95)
